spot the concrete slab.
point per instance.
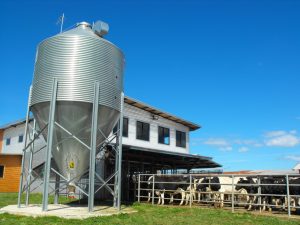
(65, 211)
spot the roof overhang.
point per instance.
(166, 159)
(14, 124)
(158, 112)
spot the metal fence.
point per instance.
(277, 193)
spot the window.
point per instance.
(180, 139)
(163, 135)
(1, 171)
(21, 138)
(125, 127)
(142, 131)
(7, 141)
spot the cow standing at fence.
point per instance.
(248, 184)
(228, 187)
(270, 188)
(207, 185)
(217, 187)
(171, 185)
(294, 189)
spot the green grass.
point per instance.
(147, 214)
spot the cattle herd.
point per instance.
(251, 192)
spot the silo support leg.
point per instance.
(30, 165)
(93, 148)
(56, 195)
(49, 146)
(24, 150)
(116, 178)
(120, 153)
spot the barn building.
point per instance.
(153, 141)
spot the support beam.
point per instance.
(24, 150)
(30, 164)
(120, 153)
(56, 193)
(49, 145)
(94, 129)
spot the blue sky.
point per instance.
(231, 66)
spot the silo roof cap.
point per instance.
(84, 24)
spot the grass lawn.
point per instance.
(147, 214)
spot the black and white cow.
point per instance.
(207, 184)
(272, 186)
(228, 188)
(294, 190)
(248, 184)
(170, 185)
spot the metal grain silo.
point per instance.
(77, 59)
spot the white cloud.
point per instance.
(275, 133)
(220, 142)
(248, 142)
(293, 157)
(243, 149)
(226, 149)
(276, 138)
(282, 138)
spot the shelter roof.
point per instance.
(167, 159)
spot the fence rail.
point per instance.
(251, 191)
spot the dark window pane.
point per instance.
(142, 131)
(163, 135)
(139, 130)
(125, 127)
(7, 141)
(160, 135)
(167, 136)
(180, 139)
(20, 138)
(1, 171)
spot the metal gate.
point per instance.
(277, 193)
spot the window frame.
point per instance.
(21, 135)
(169, 131)
(127, 130)
(3, 171)
(136, 136)
(179, 144)
(7, 141)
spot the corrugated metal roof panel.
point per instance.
(155, 111)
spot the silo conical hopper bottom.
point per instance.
(70, 156)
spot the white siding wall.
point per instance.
(16, 148)
(135, 114)
(13, 133)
